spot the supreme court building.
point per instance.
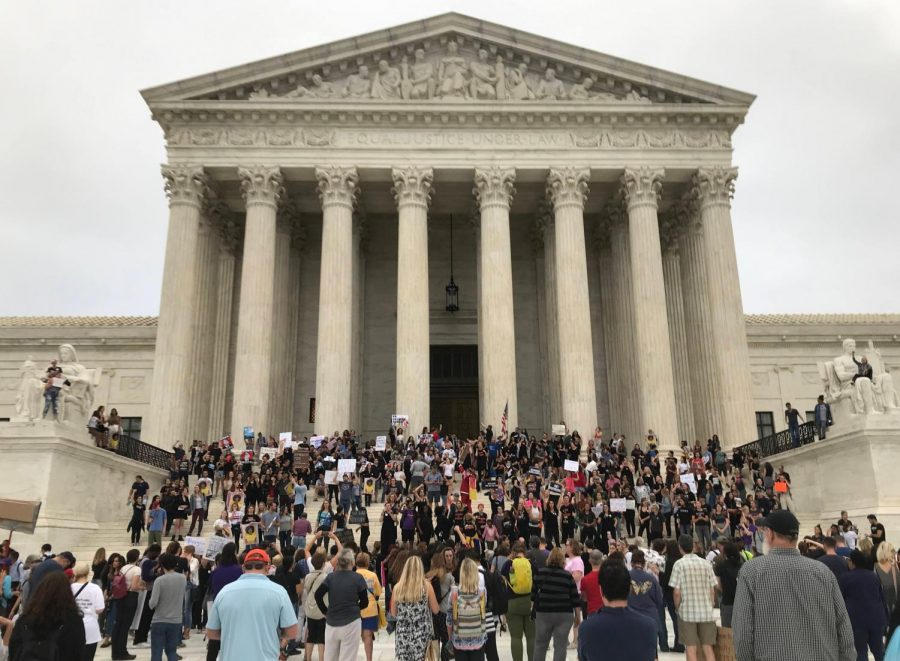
(312, 197)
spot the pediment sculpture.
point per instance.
(451, 76)
(859, 384)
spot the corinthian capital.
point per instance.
(261, 184)
(337, 185)
(494, 186)
(568, 186)
(412, 185)
(287, 216)
(642, 186)
(714, 186)
(185, 184)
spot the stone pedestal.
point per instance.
(81, 488)
(853, 469)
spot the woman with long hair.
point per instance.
(51, 614)
(113, 568)
(411, 600)
(180, 506)
(726, 569)
(98, 565)
(466, 620)
(89, 598)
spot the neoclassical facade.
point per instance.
(310, 200)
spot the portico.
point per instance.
(310, 205)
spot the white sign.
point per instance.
(559, 430)
(199, 545)
(57, 382)
(346, 466)
(267, 452)
(380, 443)
(400, 420)
(285, 437)
(570, 465)
(330, 477)
(629, 504)
(316, 441)
(688, 479)
(616, 504)
(214, 546)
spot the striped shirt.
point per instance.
(554, 591)
(790, 607)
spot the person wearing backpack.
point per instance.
(50, 628)
(518, 573)
(555, 600)
(466, 619)
(315, 618)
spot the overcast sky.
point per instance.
(83, 215)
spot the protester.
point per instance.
(51, 622)
(788, 606)
(694, 583)
(89, 598)
(468, 610)
(413, 603)
(555, 598)
(864, 599)
(519, 573)
(348, 595)
(167, 603)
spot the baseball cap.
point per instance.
(256, 555)
(67, 555)
(781, 522)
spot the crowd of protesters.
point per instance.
(555, 541)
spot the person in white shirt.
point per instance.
(193, 580)
(89, 598)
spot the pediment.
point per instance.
(446, 59)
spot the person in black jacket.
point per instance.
(51, 615)
(554, 600)
(864, 598)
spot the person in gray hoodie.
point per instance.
(167, 602)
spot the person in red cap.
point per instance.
(247, 613)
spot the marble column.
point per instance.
(697, 321)
(412, 191)
(338, 188)
(550, 315)
(681, 372)
(538, 250)
(622, 356)
(615, 370)
(714, 188)
(360, 233)
(207, 270)
(567, 190)
(229, 246)
(298, 244)
(653, 355)
(170, 393)
(262, 189)
(280, 388)
(494, 192)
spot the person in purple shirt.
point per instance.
(616, 632)
(227, 570)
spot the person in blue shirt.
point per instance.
(253, 615)
(616, 632)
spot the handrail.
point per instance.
(132, 448)
(779, 442)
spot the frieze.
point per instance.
(453, 138)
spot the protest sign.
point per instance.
(489, 485)
(629, 504)
(199, 544)
(688, 479)
(285, 437)
(558, 430)
(400, 420)
(358, 517)
(316, 441)
(301, 457)
(534, 471)
(346, 466)
(271, 453)
(214, 546)
(248, 432)
(331, 477)
(616, 504)
(571, 465)
(554, 489)
(380, 443)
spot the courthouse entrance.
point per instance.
(454, 388)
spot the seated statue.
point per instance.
(866, 387)
(77, 398)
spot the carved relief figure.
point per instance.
(582, 91)
(418, 78)
(634, 96)
(31, 391)
(386, 82)
(485, 77)
(320, 89)
(78, 397)
(868, 390)
(452, 74)
(551, 87)
(517, 84)
(359, 85)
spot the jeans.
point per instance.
(795, 435)
(125, 608)
(188, 606)
(50, 396)
(519, 622)
(555, 626)
(298, 542)
(111, 612)
(821, 428)
(164, 636)
(704, 537)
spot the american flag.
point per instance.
(504, 418)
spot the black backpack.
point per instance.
(33, 649)
(497, 594)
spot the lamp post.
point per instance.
(451, 289)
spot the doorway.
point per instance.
(454, 388)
